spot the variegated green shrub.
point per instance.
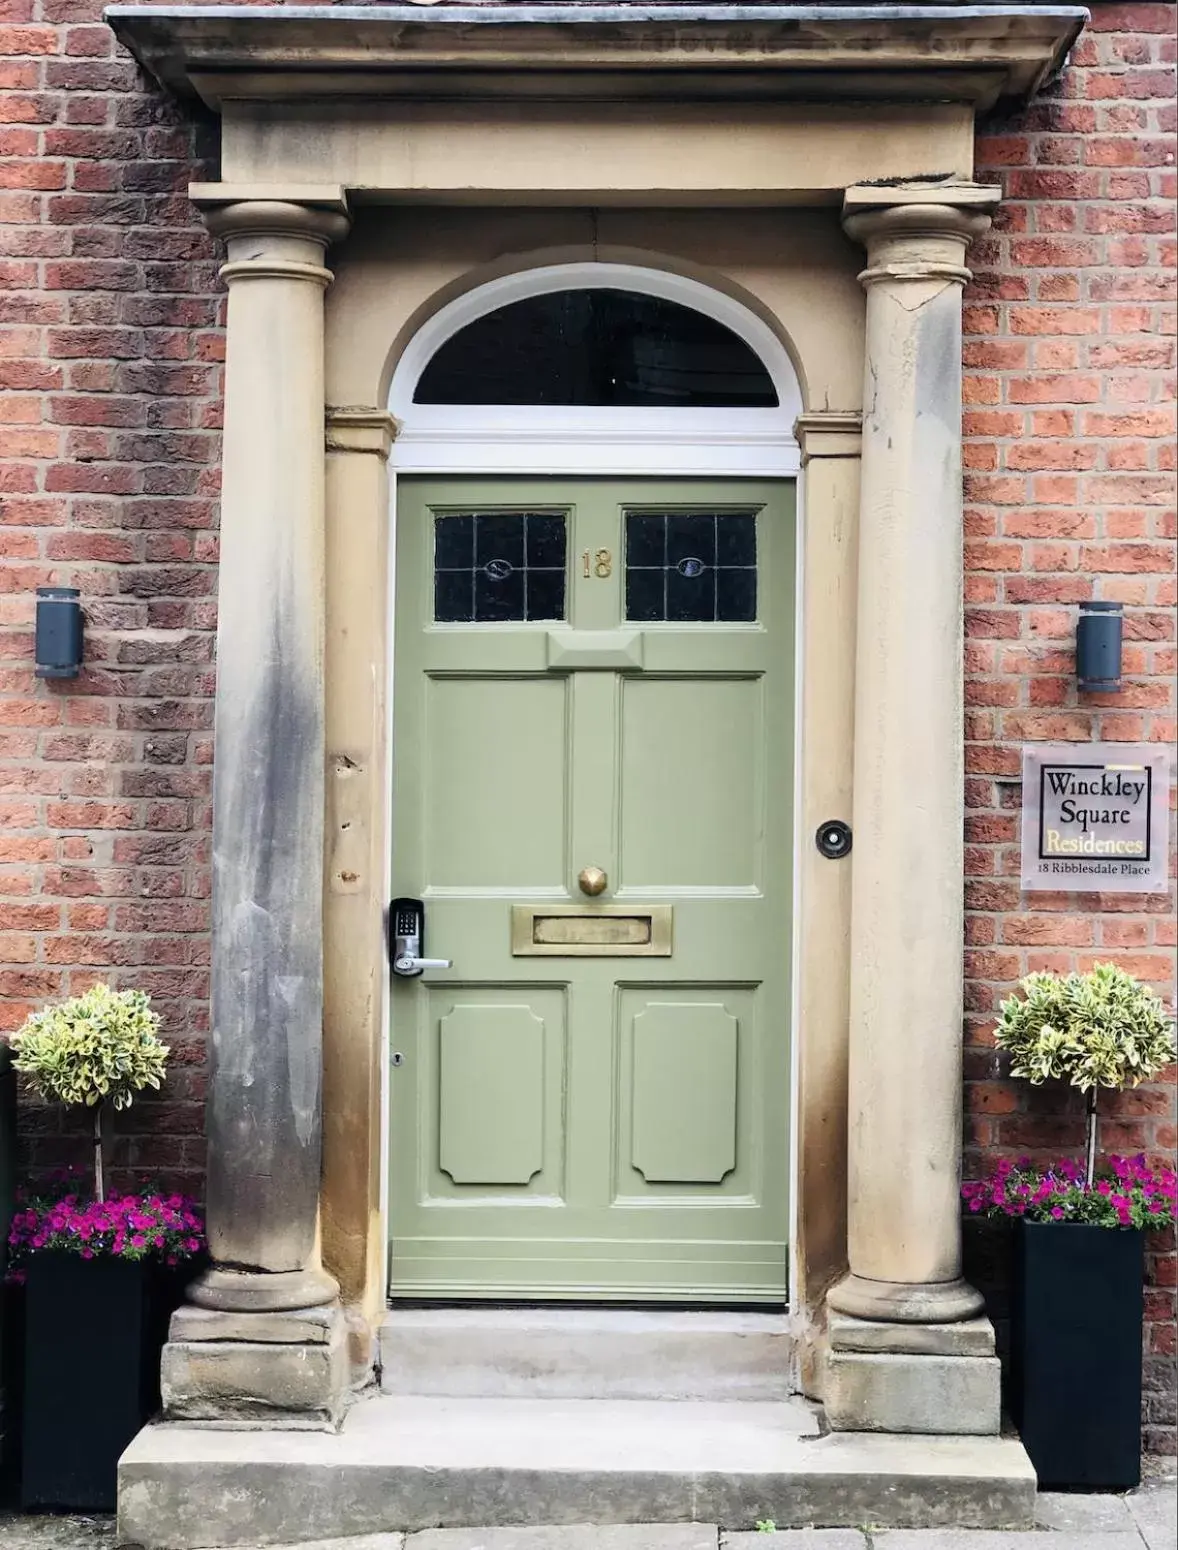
(1101, 1029)
(100, 1047)
(1094, 1030)
(96, 1049)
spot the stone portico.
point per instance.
(815, 164)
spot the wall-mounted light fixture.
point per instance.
(1098, 646)
(59, 632)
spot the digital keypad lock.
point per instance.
(407, 940)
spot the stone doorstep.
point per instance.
(410, 1463)
(575, 1353)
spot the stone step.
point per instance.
(574, 1353)
(407, 1463)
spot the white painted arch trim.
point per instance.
(497, 439)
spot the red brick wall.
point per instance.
(108, 454)
(1070, 488)
(109, 345)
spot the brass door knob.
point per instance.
(592, 880)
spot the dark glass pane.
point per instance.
(454, 543)
(646, 539)
(691, 567)
(499, 541)
(454, 596)
(691, 596)
(599, 347)
(545, 542)
(645, 595)
(545, 594)
(736, 595)
(498, 596)
(691, 538)
(493, 567)
(736, 539)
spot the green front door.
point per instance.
(593, 677)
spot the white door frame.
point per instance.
(543, 440)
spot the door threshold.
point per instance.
(584, 1304)
(596, 1352)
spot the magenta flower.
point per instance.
(124, 1227)
(1135, 1195)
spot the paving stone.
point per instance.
(1154, 1509)
(91, 1532)
(1000, 1539)
(580, 1536)
(797, 1539)
(1071, 1513)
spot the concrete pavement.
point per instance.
(1145, 1520)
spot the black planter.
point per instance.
(94, 1330)
(1075, 1353)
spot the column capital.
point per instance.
(288, 227)
(829, 433)
(360, 429)
(918, 231)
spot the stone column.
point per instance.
(264, 1337)
(904, 1120)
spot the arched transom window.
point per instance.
(600, 348)
(595, 368)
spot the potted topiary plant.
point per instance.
(103, 1274)
(1076, 1294)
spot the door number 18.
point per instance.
(600, 564)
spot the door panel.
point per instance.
(491, 1058)
(689, 1049)
(492, 822)
(594, 673)
(708, 837)
(701, 1045)
(480, 1051)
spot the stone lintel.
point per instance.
(829, 433)
(360, 430)
(971, 1337)
(947, 1396)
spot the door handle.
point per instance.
(410, 965)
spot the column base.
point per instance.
(260, 1291)
(938, 1379)
(900, 1302)
(283, 1371)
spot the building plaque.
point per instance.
(1095, 817)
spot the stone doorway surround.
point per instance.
(457, 144)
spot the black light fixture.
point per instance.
(59, 632)
(1098, 646)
